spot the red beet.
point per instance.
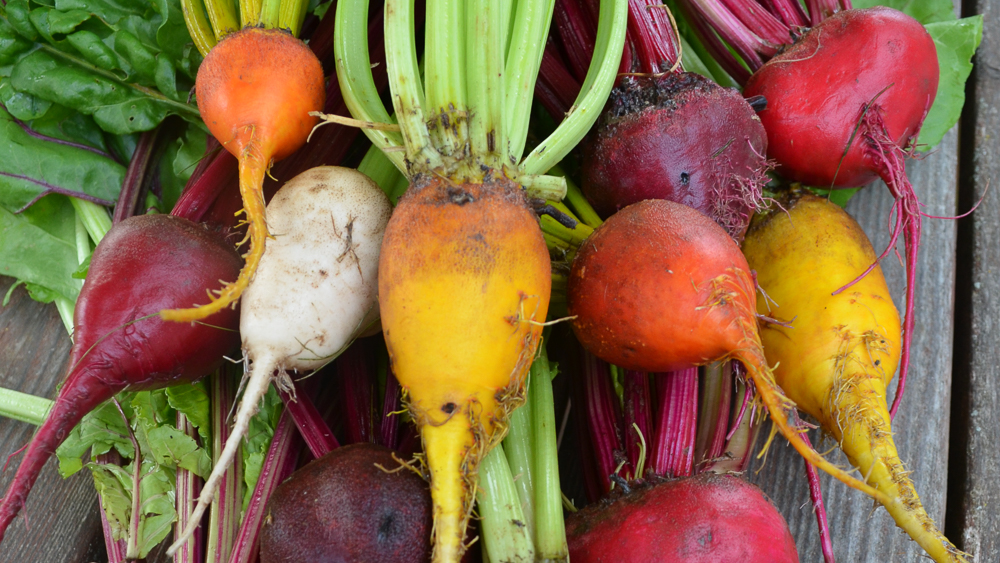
(343, 508)
(679, 137)
(845, 105)
(709, 518)
(144, 264)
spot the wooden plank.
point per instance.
(921, 428)
(63, 522)
(977, 474)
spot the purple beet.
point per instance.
(144, 264)
(343, 508)
(681, 137)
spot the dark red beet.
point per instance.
(679, 137)
(144, 264)
(708, 518)
(341, 508)
(845, 104)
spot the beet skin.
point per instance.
(341, 508)
(709, 518)
(679, 137)
(144, 264)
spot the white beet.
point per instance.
(315, 291)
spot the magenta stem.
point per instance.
(819, 10)
(760, 21)
(116, 548)
(314, 430)
(391, 407)
(677, 423)
(714, 44)
(555, 89)
(576, 29)
(356, 373)
(187, 487)
(279, 464)
(713, 417)
(224, 513)
(816, 494)
(745, 42)
(604, 418)
(638, 414)
(790, 12)
(137, 177)
(655, 48)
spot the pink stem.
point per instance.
(638, 413)
(317, 435)
(655, 47)
(788, 11)
(187, 488)
(577, 33)
(116, 548)
(760, 21)
(713, 416)
(604, 418)
(677, 423)
(745, 42)
(816, 494)
(356, 373)
(714, 44)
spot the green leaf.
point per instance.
(115, 499)
(956, 43)
(924, 11)
(172, 448)
(258, 440)
(156, 506)
(192, 400)
(101, 430)
(31, 166)
(31, 254)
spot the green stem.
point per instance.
(95, 218)
(550, 529)
(377, 166)
(252, 12)
(518, 447)
(222, 15)
(407, 92)
(531, 27)
(484, 79)
(293, 12)
(577, 202)
(65, 308)
(270, 13)
(83, 250)
(501, 518)
(24, 407)
(354, 73)
(198, 26)
(593, 94)
(223, 518)
(444, 60)
(543, 186)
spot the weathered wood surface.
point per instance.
(958, 330)
(62, 517)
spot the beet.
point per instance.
(708, 518)
(144, 264)
(343, 508)
(679, 137)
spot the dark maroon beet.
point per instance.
(681, 137)
(708, 518)
(341, 508)
(144, 264)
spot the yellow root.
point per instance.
(252, 170)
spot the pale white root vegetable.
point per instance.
(315, 291)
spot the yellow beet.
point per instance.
(837, 360)
(464, 284)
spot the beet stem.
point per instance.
(816, 494)
(224, 512)
(638, 414)
(186, 490)
(116, 548)
(519, 448)
(677, 417)
(314, 430)
(603, 418)
(713, 414)
(550, 527)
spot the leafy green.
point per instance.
(32, 166)
(38, 247)
(956, 42)
(127, 63)
(258, 441)
(156, 508)
(924, 11)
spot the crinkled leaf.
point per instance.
(31, 254)
(101, 429)
(956, 42)
(258, 440)
(115, 498)
(172, 448)
(191, 399)
(924, 11)
(31, 166)
(156, 506)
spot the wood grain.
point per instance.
(62, 517)
(922, 423)
(977, 508)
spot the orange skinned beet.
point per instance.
(257, 86)
(631, 315)
(255, 91)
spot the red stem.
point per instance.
(317, 435)
(638, 413)
(655, 49)
(760, 21)
(816, 494)
(391, 405)
(604, 419)
(714, 45)
(713, 415)
(788, 11)
(744, 41)
(356, 372)
(576, 30)
(677, 422)
(137, 177)
(187, 488)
